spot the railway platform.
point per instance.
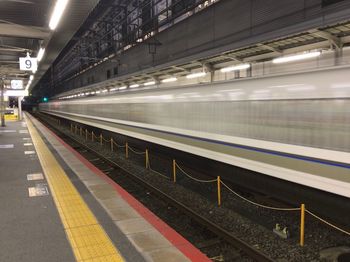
(56, 206)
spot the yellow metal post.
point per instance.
(76, 129)
(219, 190)
(81, 131)
(147, 159)
(302, 224)
(126, 150)
(92, 136)
(101, 137)
(112, 144)
(71, 127)
(174, 171)
(86, 134)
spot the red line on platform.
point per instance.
(175, 238)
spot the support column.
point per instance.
(2, 103)
(20, 108)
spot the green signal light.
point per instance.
(45, 99)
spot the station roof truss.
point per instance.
(334, 37)
(115, 26)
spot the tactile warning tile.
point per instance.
(88, 239)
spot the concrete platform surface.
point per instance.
(130, 226)
(30, 227)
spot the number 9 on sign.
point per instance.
(28, 64)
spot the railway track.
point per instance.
(124, 178)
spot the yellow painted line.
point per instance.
(88, 239)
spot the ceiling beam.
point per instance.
(9, 62)
(180, 68)
(231, 57)
(271, 48)
(21, 31)
(334, 40)
(16, 50)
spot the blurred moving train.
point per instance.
(294, 127)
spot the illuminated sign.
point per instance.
(28, 63)
(16, 93)
(16, 84)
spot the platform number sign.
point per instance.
(28, 63)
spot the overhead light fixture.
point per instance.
(150, 83)
(292, 58)
(104, 90)
(134, 86)
(195, 75)
(113, 89)
(168, 80)
(235, 68)
(40, 54)
(122, 87)
(31, 77)
(57, 13)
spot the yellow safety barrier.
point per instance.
(219, 182)
(219, 190)
(147, 159)
(193, 178)
(302, 224)
(174, 170)
(116, 144)
(257, 204)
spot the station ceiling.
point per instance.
(24, 28)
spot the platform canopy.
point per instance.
(24, 29)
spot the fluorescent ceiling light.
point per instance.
(104, 90)
(151, 83)
(40, 54)
(122, 87)
(195, 75)
(168, 80)
(57, 13)
(31, 77)
(114, 89)
(234, 68)
(134, 85)
(292, 58)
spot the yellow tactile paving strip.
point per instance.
(88, 239)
